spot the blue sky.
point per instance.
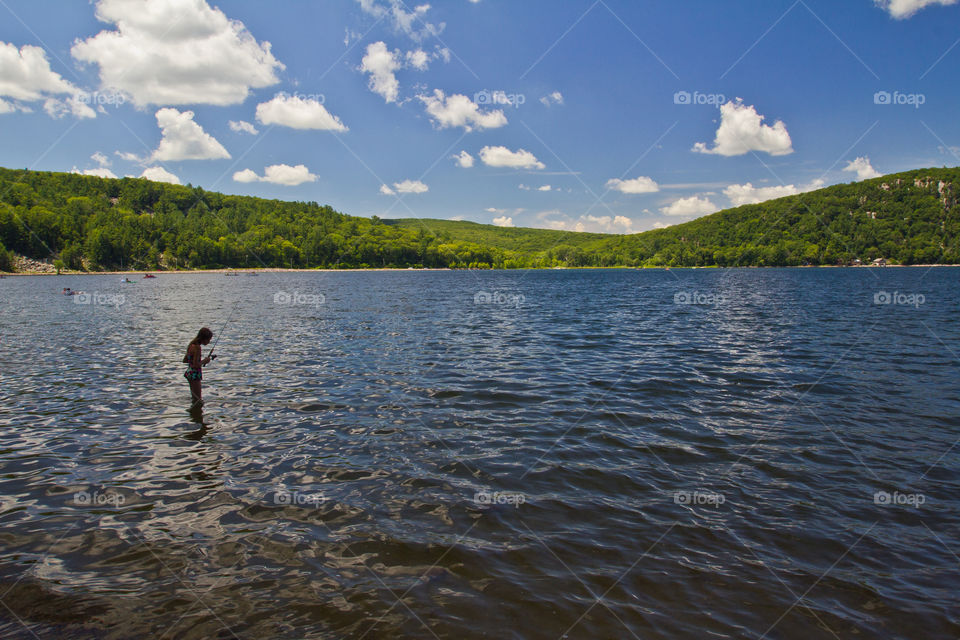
(612, 116)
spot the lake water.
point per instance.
(556, 454)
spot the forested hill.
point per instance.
(94, 223)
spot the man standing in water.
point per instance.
(195, 361)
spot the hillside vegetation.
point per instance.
(93, 223)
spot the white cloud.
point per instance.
(102, 172)
(73, 105)
(410, 186)
(742, 130)
(495, 210)
(587, 223)
(159, 174)
(863, 168)
(381, 63)
(25, 75)
(661, 225)
(503, 157)
(741, 194)
(545, 187)
(523, 187)
(503, 221)
(692, 206)
(184, 139)
(129, 157)
(240, 126)
(409, 22)
(418, 59)
(641, 184)
(282, 174)
(460, 111)
(100, 159)
(554, 98)
(172, 52)
(387, 191)
(605, 224)
(298, 113)
(464, 160)
(901, 9)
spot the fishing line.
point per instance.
(229, 317)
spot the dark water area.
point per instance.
(556, 454)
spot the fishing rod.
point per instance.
(210, 355)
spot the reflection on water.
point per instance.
(578, 454)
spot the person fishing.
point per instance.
(195, 361)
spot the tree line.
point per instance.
(86, 222)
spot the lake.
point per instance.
(736, 453)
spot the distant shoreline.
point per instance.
(367, 270)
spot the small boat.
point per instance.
(126, 280)
(149, 275)
(231, 273)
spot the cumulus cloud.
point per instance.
(554, 98)
(298, 113)
(409, 22)
(641, 184)
(464, 160)
(72, 105)
(26, 76)
(740, 194)
(173, 52)
(239, 126)
(159, 174)
(460, 111)
(503, 221)
(587, 223)
(692, 206)
(282, 174)
(102, 172)
(901, 9)
(503, 157)
(100, 159)
(410, 186)
(407, 186)
(184, 139)
(862, 167)
(742, 130)
(381, 63)
(418, 59)
(606, 224)
(545, 187)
